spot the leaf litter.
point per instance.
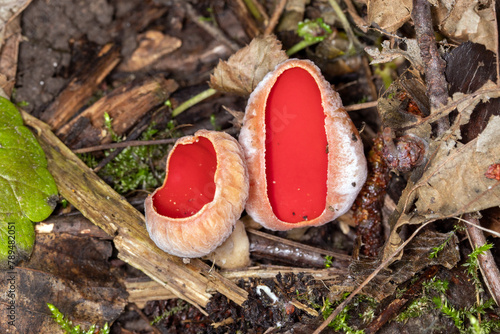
(452, 180)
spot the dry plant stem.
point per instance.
(360, 22)
(212, 30)
(487, 263)
(257, 11)
(98, 202)
(353, 41)
(447, 109)
(361, 106)
(437, 89)
(134, 134)
(393, 308)
(246, 19)
(275, 17)
(125, 144)
(341, 306)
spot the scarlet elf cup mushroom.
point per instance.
(202, 197)
(304, 155)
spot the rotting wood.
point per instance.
(98, 202)
(126, 105)
(81, 87)
(144, 289)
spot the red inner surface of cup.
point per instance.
(190, 180)
(296, 147)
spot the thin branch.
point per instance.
(361, 106)
(257, 11)
(212, 30)
(437, 89)
(487, 264)
(368, 279)
(353, 41)
(360, 22)
(275, 17)
(124, 144)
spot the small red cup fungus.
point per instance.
(202, 197)
(304, 155)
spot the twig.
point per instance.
(353, 41)
(256, 10)
(135, 133)
(212, 30)
(124, 144)
(275, 17)
(437, 89)
(398, 303)
(342, 305)
(487, 264)
(192, 101)
(360, 22)
(361, 106)
(264, 245)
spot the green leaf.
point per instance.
(28, 192)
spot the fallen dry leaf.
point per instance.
(389, 15)
(10, 9)
(247, 67)
(467, 20)
(388, 53)
(468, 68)
(452, 183)
(455, 183)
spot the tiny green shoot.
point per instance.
(213, 121)
(109, 127)
(472, 263)
(436, 250)
(179, 308)
(67, 326)
(340, 323)
(328, 261)
(312, 32)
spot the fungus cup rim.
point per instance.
(214, 221)
(342, 187)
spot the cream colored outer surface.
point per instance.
(346, 161)
(201, 233)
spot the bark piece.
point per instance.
(152, 46)
(126, 105)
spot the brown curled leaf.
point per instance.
(243, 71)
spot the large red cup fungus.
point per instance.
(304, 155)
(204, 193)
